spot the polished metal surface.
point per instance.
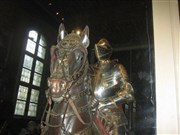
(108, 80)
(103, 50)
(70, 111)
(81, 102)
(111, 90)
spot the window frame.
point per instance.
(30, 85)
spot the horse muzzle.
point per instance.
(57, 87)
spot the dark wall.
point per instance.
(16, 19)
(136, 53)
(138, 59)
(128, 26)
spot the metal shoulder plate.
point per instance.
(108, 80)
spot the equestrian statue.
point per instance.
(84, 99)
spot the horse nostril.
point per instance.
(53, 90)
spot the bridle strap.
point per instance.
(82, 65)
(76, 111)
(81, 72)
(45, 128)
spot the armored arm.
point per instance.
(125, 94)
(122, 96)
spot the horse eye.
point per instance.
(79, 58)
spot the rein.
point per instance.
(76, 78)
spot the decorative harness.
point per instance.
(76, 78)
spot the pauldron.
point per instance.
(107, 80)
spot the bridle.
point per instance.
(69, 81)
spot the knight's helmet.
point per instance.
(103, 49)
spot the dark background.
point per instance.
(126, 24)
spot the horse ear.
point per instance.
(61, 32)
(85, 36)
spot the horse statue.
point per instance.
(80, 99)
(69, 96)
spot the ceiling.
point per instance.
(124, 23)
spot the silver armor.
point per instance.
(108, 80)
(81, 102)
(69, 110)
(111, 89)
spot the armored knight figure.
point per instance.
(79, 100)
(111, 89)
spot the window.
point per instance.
(30, 79)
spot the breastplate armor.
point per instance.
(107, 80)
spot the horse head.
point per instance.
(68, 61)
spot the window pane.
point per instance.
(39, 67)
(32, 109)
(25, 75)
(41, 52)
(28, 62)
(33, 35)
(37, 79)
(42, 41)
(20, 107)
(22, 92)
(30, 47)
(34, 96)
